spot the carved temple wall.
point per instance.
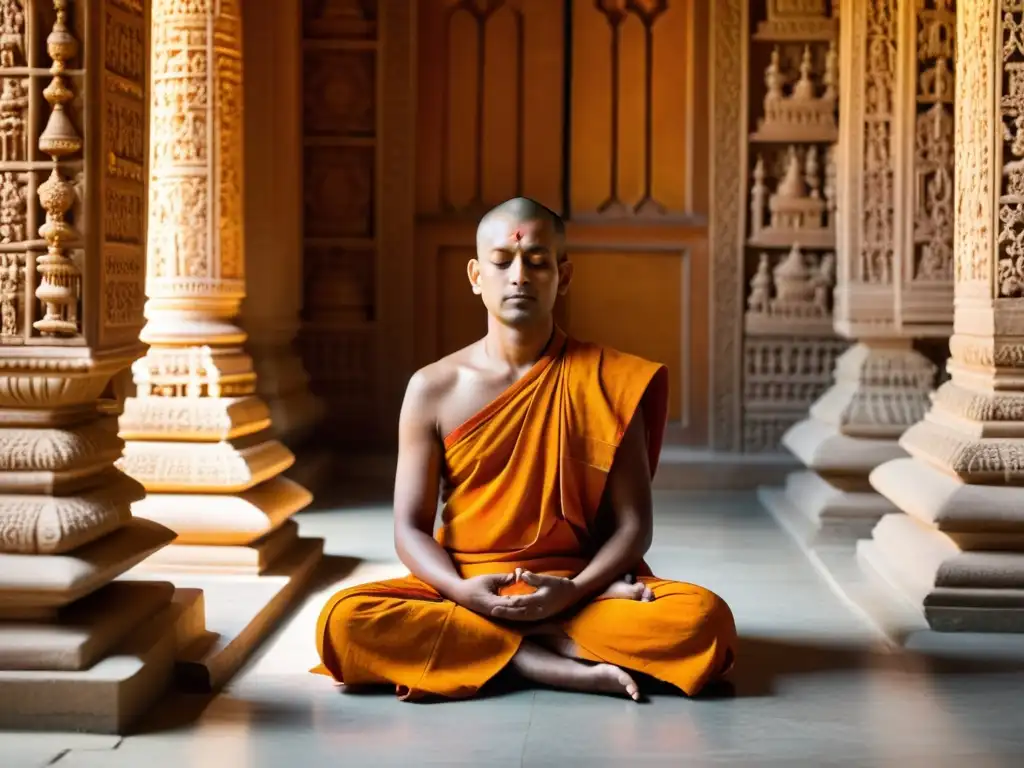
(416, 120)
(690, 145)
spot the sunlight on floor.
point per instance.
(814, 686)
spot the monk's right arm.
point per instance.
(417, 481)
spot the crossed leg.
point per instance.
(551, 658)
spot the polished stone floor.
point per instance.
(816, 685)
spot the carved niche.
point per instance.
(789, 259)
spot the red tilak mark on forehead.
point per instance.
(518, 235)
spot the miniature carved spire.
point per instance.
(831, 76)
(58, 289)
(773, 79)
(758, 197)
(804, 88)
(792, 184)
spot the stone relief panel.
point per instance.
(180, 103)
(124, 148)
(230, 144)
(1009, 281)
(789, 262)
(872, 262)
(782, 377)
(933, 144)
(895, 169)
(973, 220)
(40, 175)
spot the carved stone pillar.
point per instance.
(958, 552)
(894, 244)
(197, 437)
(273, 214)
(77, 652)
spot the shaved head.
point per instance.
(520, 268)
(522, 210)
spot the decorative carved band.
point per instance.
(975, 84)
(195, 227)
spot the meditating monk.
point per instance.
(544, 448)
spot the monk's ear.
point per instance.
(564, 275)
(473, 272)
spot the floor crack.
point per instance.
(526, 736)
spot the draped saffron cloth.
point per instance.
(524, 480)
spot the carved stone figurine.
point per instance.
(823, 282)
(12, 28)
(13, 103)
(760, 288)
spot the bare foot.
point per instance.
(541, 665)
(611, 679)
(625, 590)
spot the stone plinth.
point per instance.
(957, 554)
(80, 649)
(198, 437)
(880, 389)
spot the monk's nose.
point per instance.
(518, 274)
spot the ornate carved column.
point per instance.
(77, 652)
(958, 552)
(894, 246)
(273, 214)
(197, 437)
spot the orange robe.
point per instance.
(524, 479)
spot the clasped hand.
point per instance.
(553, 595)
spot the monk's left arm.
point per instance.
(628, 493)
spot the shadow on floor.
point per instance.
(179, 709)
(761, 661)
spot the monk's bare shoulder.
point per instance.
(433, 385)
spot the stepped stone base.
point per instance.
(222, 519)
(111, 694)
(818, 513)
(832, 503)
(252, 559)
(241, 610)
(956, 555)
(37, 586)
